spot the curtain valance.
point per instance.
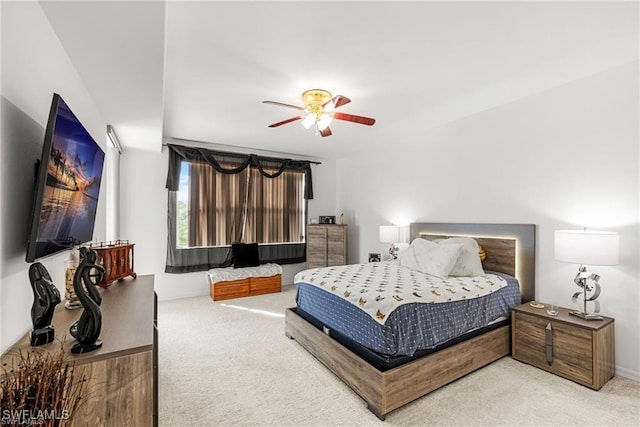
(178, 153)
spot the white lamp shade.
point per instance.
(324, 121)
(309, 120)
(586, 247)
(389, 234)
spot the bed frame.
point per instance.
(510, 248)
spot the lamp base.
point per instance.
(586, 316)
(393, 251)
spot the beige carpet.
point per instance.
(228, 363)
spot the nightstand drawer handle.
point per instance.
(548, 343)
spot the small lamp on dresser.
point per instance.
(586, 247)
(390, 234)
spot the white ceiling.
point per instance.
(200, 70)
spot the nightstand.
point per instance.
(568, 346)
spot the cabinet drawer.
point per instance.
(571, 347)
(265, 285)
(228, 290)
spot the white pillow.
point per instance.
(468, 263)
(430, 257)
(402, 247)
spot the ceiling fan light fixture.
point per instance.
(324, 121)
(315, 97)
(309, 120)
(319, 111)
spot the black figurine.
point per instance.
(45, 298)
(87, 328)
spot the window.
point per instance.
(112, 184)
(216, 199)
(216, 209)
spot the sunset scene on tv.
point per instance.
(74, 172)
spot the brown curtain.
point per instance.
(244, 207)
(216, 204)
(275, 208)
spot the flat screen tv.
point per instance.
(67, 186)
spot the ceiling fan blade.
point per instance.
(353, 118)
(283, 105)
(284, 122)
(325, 132)
(335, 102)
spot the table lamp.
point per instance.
(390, 234)
(586, 247)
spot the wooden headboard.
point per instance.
(510, 248)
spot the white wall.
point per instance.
(143, 200)
(34, 65)
(565, 158)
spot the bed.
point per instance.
(386, 382)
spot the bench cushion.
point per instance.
(230, 274)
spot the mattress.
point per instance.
(411, 326)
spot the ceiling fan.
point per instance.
(319, 110)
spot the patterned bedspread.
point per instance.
(412, 325)
(378, 288)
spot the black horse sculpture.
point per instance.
(45, 298)
(87, 328)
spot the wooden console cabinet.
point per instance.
(123, 373)
(117, 259)
(568, 346)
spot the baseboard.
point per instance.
(627, 373)
(198, 293)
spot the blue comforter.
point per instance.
(413, 326)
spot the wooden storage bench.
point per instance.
(243, 282)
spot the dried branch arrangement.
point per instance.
(41, 388)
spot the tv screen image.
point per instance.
(68, 185)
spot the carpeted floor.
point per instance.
(228, 363)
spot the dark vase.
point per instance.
(87, 328)
(45, 298)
